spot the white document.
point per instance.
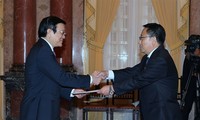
(85, 92)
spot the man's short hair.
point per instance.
(49, 22)
(157, 30)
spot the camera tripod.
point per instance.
(193, 72)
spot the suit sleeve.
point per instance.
(65, 93)
(50, 67)
(156, 70)
(129, 72)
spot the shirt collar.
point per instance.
(149, 55)
(48, 43)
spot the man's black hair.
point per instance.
(48, 23)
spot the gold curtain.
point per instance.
(166, 12)
(183, 31)
(98, 25)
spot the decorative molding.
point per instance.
(1, 23)
(90, 21)
(1, 43)
(1, 31)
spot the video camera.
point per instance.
(192, 44)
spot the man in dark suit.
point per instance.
(155, 76)
(45, 80)
(191, 70)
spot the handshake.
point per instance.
(97, 77)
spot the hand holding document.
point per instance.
(89, 92)
(85, 92)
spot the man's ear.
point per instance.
(49, 31)
(198, 49)
(154, 39)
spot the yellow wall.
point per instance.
(1, 64)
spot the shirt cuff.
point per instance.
(71, 94)
(110, 75)
(91, 79)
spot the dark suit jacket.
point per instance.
(157, 83)
(189, 80)
(45, 83)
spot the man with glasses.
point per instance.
(155, 76)
(45, 80)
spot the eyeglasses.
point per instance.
(141, 37)
(61, 32)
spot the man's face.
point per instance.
(146, 42)
(56, 39)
